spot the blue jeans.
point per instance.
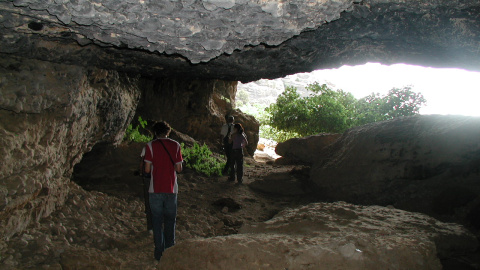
(164, 214)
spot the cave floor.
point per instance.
(102, 225)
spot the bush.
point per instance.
(134, 135)
(201, 159)
(326, 110)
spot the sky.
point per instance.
(447, 90)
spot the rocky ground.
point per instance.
(103, 225)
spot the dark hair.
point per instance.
(239, 127)
(230, 119)
(161, 128)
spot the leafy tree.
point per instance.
(326, 110)
(398, 102)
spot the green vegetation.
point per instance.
(329, 111)
(201, 159)
(324, 110)
(134, 135)
(398, 102)
(242, 98)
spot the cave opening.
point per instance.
(74, 74)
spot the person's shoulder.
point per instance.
(172, 141)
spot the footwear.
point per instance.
(157, 256)
(231, 179)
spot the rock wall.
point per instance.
(428, 164)
(196, 108)
(50, 115)
(328, 236)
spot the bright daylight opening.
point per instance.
(448, 91)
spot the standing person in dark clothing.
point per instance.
(163, 159)
(227, 146)
(239, 141)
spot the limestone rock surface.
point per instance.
(425, 163)
(327, 236)
(51, 115)
(195, 107)
(241, 40)
(308, 149)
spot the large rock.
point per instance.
(306, 150)
(51, 115)
(328, 236)
(241, 40)
(421, 163)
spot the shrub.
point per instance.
(134, 135)
(201, 159)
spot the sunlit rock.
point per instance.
(305, 150)
(328, 236)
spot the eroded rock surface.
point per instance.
(328, 236)
(241, 40)
(422, 163)
(51, 114)
(196, 107)
(305, 150)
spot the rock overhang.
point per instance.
(239, 39)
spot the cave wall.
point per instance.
(196, 108)
(50, 115)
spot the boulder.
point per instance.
(328, 236)
(305, 150)
(422, 163)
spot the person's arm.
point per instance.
(245, 141)
(178, 167)
(148, 167)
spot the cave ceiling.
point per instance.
(239, 39)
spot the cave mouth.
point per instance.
(71, 77)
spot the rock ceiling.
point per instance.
(240, 39)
